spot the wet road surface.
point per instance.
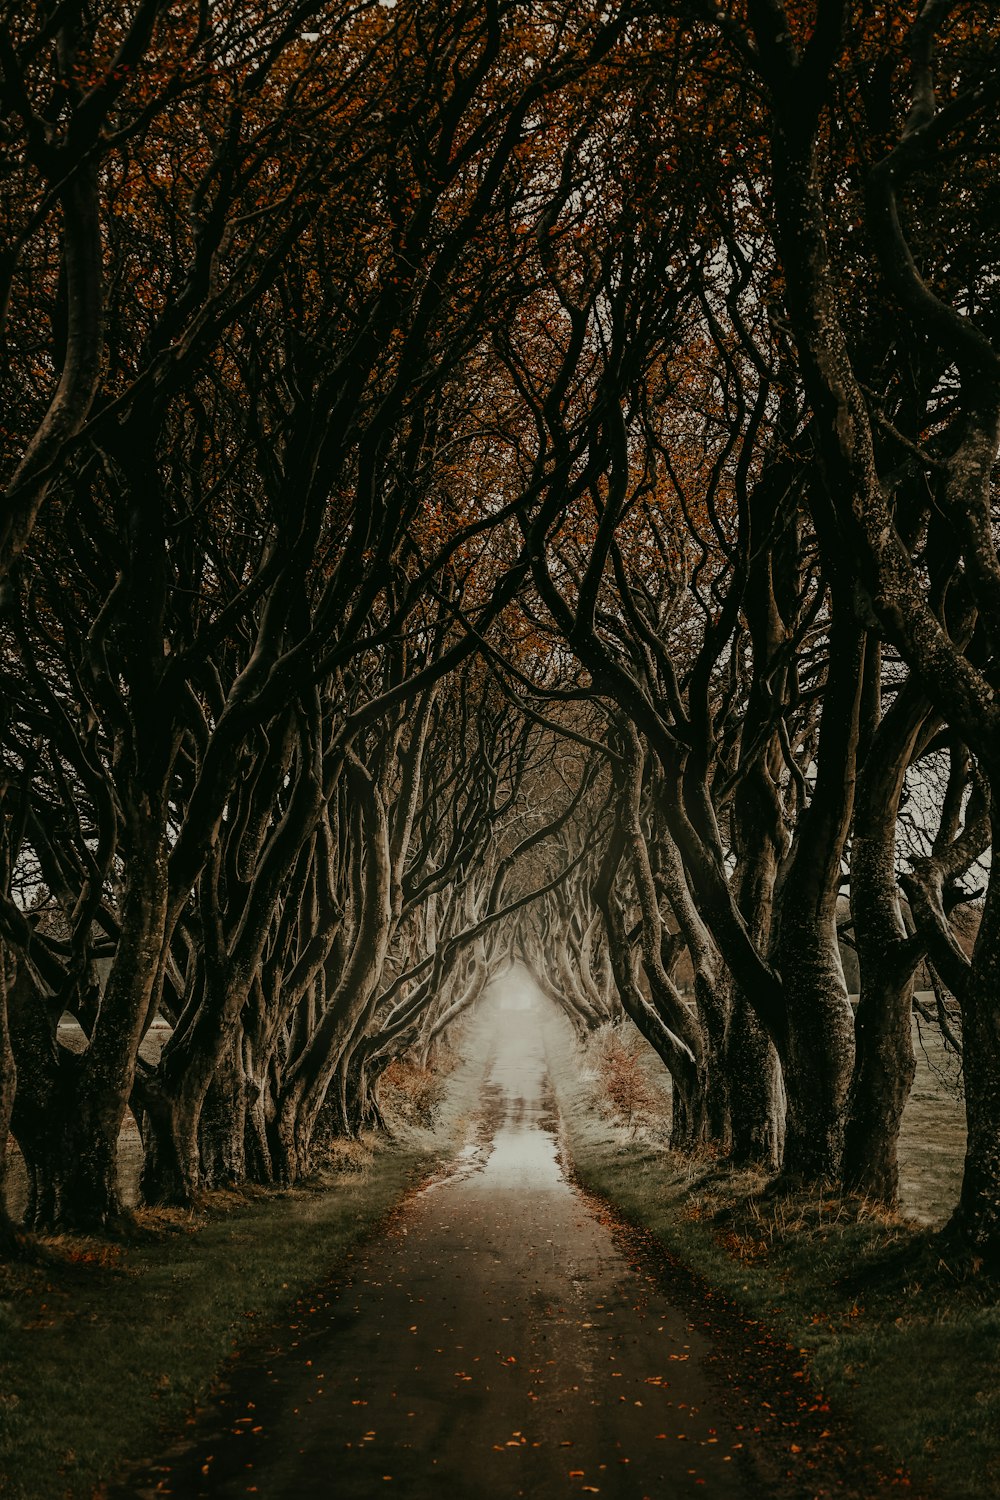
(493, 1342)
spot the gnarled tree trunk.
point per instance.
(887, 956)
(8, 1083)
(978, 1213)
(819, 1054)
(88, 1187)
(310, 1075)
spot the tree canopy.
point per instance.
(487, 481)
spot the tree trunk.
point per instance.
(884, 1063)
(978, 1214)
(87, 1177)
(259, 1116)
(756, 1089)
(200, 1070)
(883, 1076)
(756, 1092)
(688, 1078)
(335, 1118)
(360, 1075)
(223, 1121)
(8, 1083)
(46, 1086)
(169, 1176)
(714, 1010)
(39, 1127)
(711, 991)
(819, 1053)
(817, 1065)
(690, 1115)
(291, 1148)
(686, 1053)
(191, 1062)
(87, 1186)
(310, 1075)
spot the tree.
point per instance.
(938, 93)
(258, 506)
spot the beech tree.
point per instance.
(937, 94)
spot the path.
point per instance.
(493, 1343)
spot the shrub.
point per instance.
(628, 1092)
(410, 1094)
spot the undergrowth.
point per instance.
(626, 1091)
(410, 1093)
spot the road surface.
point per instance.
(499, 1339)
(495, 1342)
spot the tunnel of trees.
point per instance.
(483, 481)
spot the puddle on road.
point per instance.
(518, 1148)
(524, 1158)
(525, 1151)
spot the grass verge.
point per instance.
(900, 1333)
(106, 1348)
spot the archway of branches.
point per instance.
(517, 488)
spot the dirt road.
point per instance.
(494, 1342)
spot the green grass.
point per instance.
(103, 1349)
(902, 1331)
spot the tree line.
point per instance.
(486, 481)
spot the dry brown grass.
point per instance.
(352, 1157)
(410, 1094)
